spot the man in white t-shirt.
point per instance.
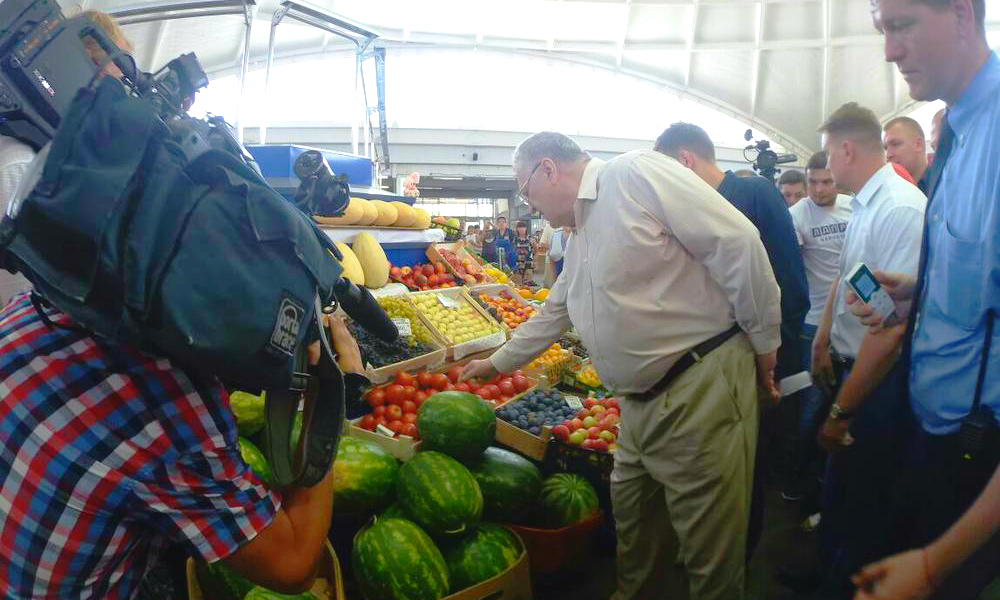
(14, 160)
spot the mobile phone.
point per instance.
(870, 292)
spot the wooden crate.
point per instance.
(493, 291)
(458, 248)
(430, 360)
(459, 351)
(329, 584)
(403, 448)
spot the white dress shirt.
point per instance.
(15, 158)
(659, 263)
(820, 231)
(887, 222)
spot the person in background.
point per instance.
(472, 239)
(673, 296)
(744, 173)
(504, 231)
(792, 185)
(560, 240)
(936, 131)
(495, 244)
(906, 146)
(544, 245)
(525, 249)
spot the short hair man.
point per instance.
(936, 129)
(884, 234)
(658, 264)
(792, 185)
(906, 146)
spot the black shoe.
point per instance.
(798, 579)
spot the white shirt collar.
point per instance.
(588, 181)
(873, 184)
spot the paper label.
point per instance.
(447, 301)
(384, 430)
(478, 345)
(403, 325)
(574, 402)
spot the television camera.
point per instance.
(764, 160)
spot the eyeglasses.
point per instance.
(524, 186)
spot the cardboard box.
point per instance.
(512, 584)
(329, 584)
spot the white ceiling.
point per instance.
(779, 65)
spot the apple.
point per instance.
(575, 424)
(395, 272)
(611, 403)
(428, 270)
(433, 280)
(561, 432)
(613, 411)
(439, 268)
(420, 280)
(600, 445)
(583, 413)
(589, 403)
(589, 422)
(607, 436)
(405, 271)
(597, 409)
(588, 444)
(578, 437)
(612, 447)
(609, 420)
(594, 432)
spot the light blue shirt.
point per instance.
(963, 266)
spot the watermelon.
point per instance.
(364, 476)
(510, 484)
(439, 494)
(395, 560)
(566, 499)
(262, 593)
(248, 410)
(483, 554)
(254, 459)
(218, 580)
(394, 511)
(459, 424)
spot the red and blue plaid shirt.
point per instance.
(106, 454)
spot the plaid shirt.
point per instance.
(107, 453)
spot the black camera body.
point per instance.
(765, 161)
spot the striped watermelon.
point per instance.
(483, 554)
(394, 511)
(457, 423)
(566, 499)
(364, 476)
(262, 593)
(439, 494)
(254, 459)
(510, 484)
(395, 560)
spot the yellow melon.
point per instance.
(352, 214)
(373, 260)
(351, 265)
(423, 220)
(387, 213)
(406, 215)
(371, 213)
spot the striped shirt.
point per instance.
(106, 454)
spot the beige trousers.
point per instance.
(681, 484)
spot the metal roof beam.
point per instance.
(145, 13)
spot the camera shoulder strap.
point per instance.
(990, 317)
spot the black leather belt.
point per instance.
(841, 364)
(694, 355)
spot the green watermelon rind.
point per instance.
(248, 409)
(486, 552)
(566, 499)
(387, 564)
(458, 424)
(262, 593)
(509, 482)
(255, 459)
(364, 477)
(439, 493)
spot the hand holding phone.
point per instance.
(870, 292)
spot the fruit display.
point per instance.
(509, 482)
(457, 423)
(484, 553)
(353, 214)
(536, 410)
(360, 212)
(439, 494)
(566, 499)
(542, 294)
(552, 362)
(396, 560)
(364, 477)
(459, 321)
(594, 427)
(248, 409)
(424, 276)
(499, 389)
(387, 213)
(406, 216)
(380, 353)
(254, 459)
(496, 274)
(399, 307)
(574, 345)
(394, 406)
(465, 267)
(506, 308)
(588, 376)
(374, 264)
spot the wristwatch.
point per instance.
(839, 414)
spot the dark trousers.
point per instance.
(939, 484)
(859, 485)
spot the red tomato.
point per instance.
(393, 412)
(439, 381)
(507, 387)
(503, 399)
(380, 421)
(425, 379)
(485, 392)
(419, 397)
(409, 429)
(376, 396)
(409, 392)
(410, 417)
(454, 373)
(494, 390)
(394, 394)
(518, 372)
(379, 411)
(409, 406)
(404, 379)
(396, 426)
(368, 422)
(462, 387)
(448, 387)
(521, 383)
(496, 378)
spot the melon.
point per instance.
(370, 214)
(566, 499)
(509, 482)
(352, 267)
(396, 560)
(372, 258)
(262, 593)
(387, 213)
(423, 219)
(459, 424)
(406, 215)
(219, 580)
(352, 214)
(249, 411)
(439, 494)
(483, 554)
(364, 476)
(254, 459)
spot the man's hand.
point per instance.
(823, 375)
(346, 348)
(768, 389)
(899, 577)
(833, 435)
(899, 286)
(478, 368)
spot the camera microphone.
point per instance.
(362, 307)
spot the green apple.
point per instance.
(576, 438)
(589, 422)
(607, 436)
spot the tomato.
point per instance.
(507, 387)
(503, 399)
(462, 387)
(485, 392)
(410, 417)
(393, 412)
(380, 421)
(440, 381)
(395, 426)
(376, 396)
(494, 390)
(394, 394)
(409, 406)
(409, 392)
(379, 411)
(425, 379)
(455, 373)
(409, 429)
(404, 379)
(496, 378)
(521, 383)
(419, 397)
(368, 422)
(448, 387)
(518, 372)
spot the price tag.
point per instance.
(384, 430)
(403, 325)
(447, 301)
(574, 402)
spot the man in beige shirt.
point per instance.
(660, 265)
